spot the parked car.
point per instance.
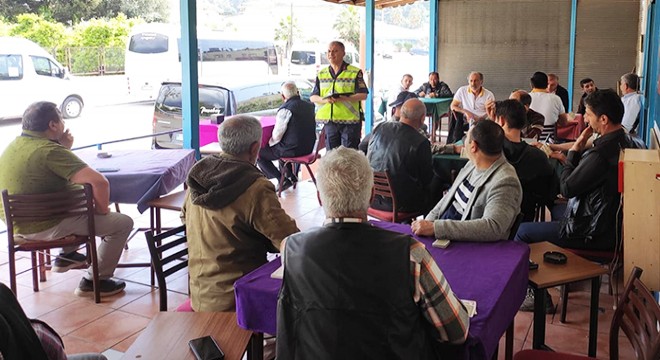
(28, 74)
(259, 98)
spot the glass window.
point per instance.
(11, 67)
(303, 57)
(148, 43)
(212, 101)
(45, 67)
(258, 98)
(304, 88)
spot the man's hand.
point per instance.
(559, 156)
(458, 149)
(490, 109)
(422, 94)
(423, 228)
(66, 139)
(581, 141)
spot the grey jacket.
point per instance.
(491, 210)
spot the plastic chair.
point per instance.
(637, 314)
(168, 249)
(306, 160)
(42, 207)
(382, 187)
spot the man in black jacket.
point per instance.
(294, 134)
(589, 180)
(399, 149)
(555, 88)
(434, 88)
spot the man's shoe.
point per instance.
(285, 185)
(528, 304)
(108, 287)
(66, 262)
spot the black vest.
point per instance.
(300, 135)
(348, 294)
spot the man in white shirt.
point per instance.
(406, 83)
(549, 105)
(632, 102)
(469, 105)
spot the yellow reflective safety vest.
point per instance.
(340, 112)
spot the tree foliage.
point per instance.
(347, 25)
(74, 11)
(288, 30)
(45, 33)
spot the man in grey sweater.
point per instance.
(484, 201)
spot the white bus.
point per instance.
(153, 56)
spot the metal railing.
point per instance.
(99, 146)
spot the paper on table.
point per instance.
(470, 306)
(279, 273)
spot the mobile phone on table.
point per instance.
(205, 348)
(441, 243)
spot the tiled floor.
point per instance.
(113, 325)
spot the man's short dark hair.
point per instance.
(631, 80)
(434, 73)
(489, 137)
(513, 111)
(585, 81)
(539, 80)
(38, 116)
(606, 102)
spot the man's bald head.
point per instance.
(413, 112)
(522, 96)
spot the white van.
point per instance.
(28, 74)
(306, 60)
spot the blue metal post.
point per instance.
(571, 54)
(433, 36)
(189, 81)
(645, 75)
(370, 9)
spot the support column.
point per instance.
(189, 80)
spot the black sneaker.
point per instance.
(108, 287)
(66, 262)
(528, 304)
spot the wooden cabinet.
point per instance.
(641, 214)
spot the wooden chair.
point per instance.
(383, 187)
(173, 201)
(612, 260)
(167, 249)
(42, 207)
(306, 160)
(637, 314)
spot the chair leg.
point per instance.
(91, 248)
(35, 275)
(311, 174)
(279, 187)
(42, 267)
(12, 271)
(564, 303)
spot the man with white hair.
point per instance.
(468, 105)
(232, 216)
(352, 290)
(294, 134)
(632, 102)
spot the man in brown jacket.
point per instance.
(232, 216)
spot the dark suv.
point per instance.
(259, 99)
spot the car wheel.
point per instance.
(72, 107)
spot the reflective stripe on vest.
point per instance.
(343, 111)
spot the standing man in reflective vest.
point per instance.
(339, 90)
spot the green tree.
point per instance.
(5, 27)
(347, 25)
(288, 30)
(45, 33)
(9, 9)
(148, 10)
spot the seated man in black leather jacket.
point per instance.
(434, 88)
(589, 180)
(399, 149)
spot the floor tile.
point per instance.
(126, 343)
(73, 345)
(74, 316)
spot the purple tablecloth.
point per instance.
(143, 174)
(492, 274)
(208, 131)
